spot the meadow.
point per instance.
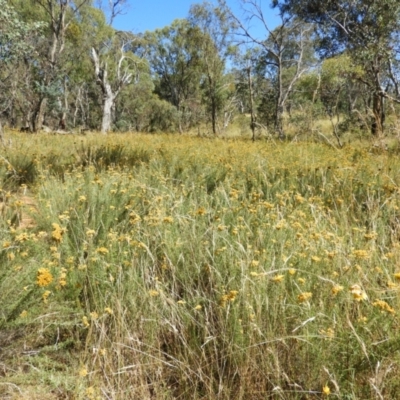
(173, 267)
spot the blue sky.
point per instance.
(142, 15)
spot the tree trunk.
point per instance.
(213, 118)
(1, 134)
(279, 102)
(279, 121)
(107, 113)
(213, 110)
(38, 116)
(252, 114)
(109, 95)
(378, 118)
(63, 116)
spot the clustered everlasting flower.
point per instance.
(44, 277)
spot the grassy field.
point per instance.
(172, 267)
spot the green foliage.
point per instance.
(215, 49)
(367, 31)
(177, 62)
(15, 35)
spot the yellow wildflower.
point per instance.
(361, 254)
(231, 296)
(384, 306)
(358, 293)
(90, 393)
(94, 315)
(85, 321)
(46, 295)
(90, 232)
(201, 211)
(57, 233)
(371, 235)
(392, 285)
(278, 278)
(62, 280)
(254, 263)
(397, 275)
(336, 289)
(23, 237)
(326, 391)
(102, 250)
(134, 218)
(329, 333)
(153, 293)
(302, 297)
(42, 234)
(44, 277)
(24, 314)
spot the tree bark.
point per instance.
(109, 95)
(38, 115)
(252, 114)
(378, 118)
(108, 103)
(1, 134)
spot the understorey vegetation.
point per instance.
(137, 266)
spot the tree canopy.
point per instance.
(64, 66)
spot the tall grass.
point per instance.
(166, 267)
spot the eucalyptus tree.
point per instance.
(17, 39)
(175, 58)
(58, 15)
(216, 48)
(249, 85)
(285, 53)
(116, 66)
(367, 30)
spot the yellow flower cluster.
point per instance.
(102, 250)
(384, 306)
(44, 277)
(305, 296)
(57, 233)
(231, 296)
(358, 293)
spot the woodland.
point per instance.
(64, 66)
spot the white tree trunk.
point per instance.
(109, 95)
(107, 113)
